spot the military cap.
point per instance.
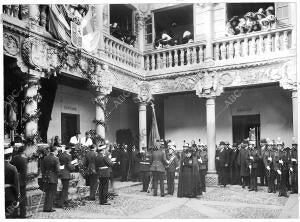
(102, 147)
(263, 141)
(279, 142)
(222, 143)
(226, 143)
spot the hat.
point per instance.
(251, 142)
(172, 147)
(249, 15)
(77, 132)
(8, 150)
(234, 18)
(234, 144)
(222, 143)
(201, 144)
(279, 142)
(260, 12)
(263, 141)
(226, 143)
(101, 147)
(186, 145)
(246, 142)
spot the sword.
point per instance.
(150, 184)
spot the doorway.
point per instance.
(69, 124)
(241, 126)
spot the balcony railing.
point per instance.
(122, 52)
(173, 57)
(253, 44)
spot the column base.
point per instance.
(211, 179)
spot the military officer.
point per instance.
(65, 174)
(158, 162)
(21, 161)
(242, 162)
(202, 160)
(253, 158)
(144, 160)
(293, 164)
(12, 185)
(281, 167)
(261, 167)
(268, 162)
(224, 164)
(171, 167)
(50, 169)
(103, 164)
(91, 171)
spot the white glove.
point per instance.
(270, 158)
(250, 166)
(217, 158)
(291, 169)
(200, 160)
(294, 160)
(176, 174)
(268, 168)
(279, 172)
(280, 161)
(251, 157)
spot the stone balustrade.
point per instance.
(121, 52)
(253, 44)
(172, 57)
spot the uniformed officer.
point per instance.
(268, 162)
(171, 167)
(281, 167)
(144, 160)
(224, 164)
(103, 166)
(261, 167)
(202, 160)
(65, 174)
(293, 165)
(50, 169)
(91, 171)
(20, 161)
(12, 185)
(253, 158)
(158, 162)
(242, 162)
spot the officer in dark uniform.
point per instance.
(12, 185)
(293, 164)
(217, 162)
(261, 166)
(242, 162)
(20, 161)
(91, 171)
(158, 162)
(50, 169)
(268, 162)
(103, 166)
(224, 164)
(65, 174)
(202, 160)
(124, 162)
(281, 167)
(171, 167)
(144, 160)
(253, 158)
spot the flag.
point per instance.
(91, 37)
(154, 134)
(58, 26)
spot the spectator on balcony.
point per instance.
(272, 20)
(165, 39)
(231, 26)
(242, 26)
(259, 15)
(187, 37)
(251, 24)
(115, 30)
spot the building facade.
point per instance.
(213, 88)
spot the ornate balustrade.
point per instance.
(173, 57)
(253, 44)
(122, 52)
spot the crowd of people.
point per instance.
(122, 34)
(274, 164)
(262, 20)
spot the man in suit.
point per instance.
(202, 160)
(144, 160)
(50, 170)
(86, 140)
(293, 165)
(103, 166)
(65, 174)
(124, 163)
(261, 167)
(91, 171)
(224, 164)
(242, 162)
(21, 161)
(171, 167)
(252, 162)
(12, 186)
(235, 170)
(158, 161)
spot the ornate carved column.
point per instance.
(295, 114)
(99, 25)
(209, 88)
(143, 98)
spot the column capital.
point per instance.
(144, 95)
(208, 86)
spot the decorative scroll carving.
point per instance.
(208, 85)
(10, 44)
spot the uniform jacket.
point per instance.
(103, 165)
(12, 192)
(21, 163)
(203, 155)
(90, 162)
(242, 161)
(50, 168)
(144, 161)
(268, 154)
(284, 166)
(234, 158)
(65, 160)
(224, 157)
(254, 160)
(294, 164)
(158, 161)
(173, 165)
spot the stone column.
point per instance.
(99, 26)
(100, 101)
(142, 124)
(295, 114)
(209, 32)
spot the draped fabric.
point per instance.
(154, 134)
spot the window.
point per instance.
(148, 24)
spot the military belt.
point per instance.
(105, 167)
(144, 163)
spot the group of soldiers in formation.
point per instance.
(262, 20)
(242, 164)
(269, 160)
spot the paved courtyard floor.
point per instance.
(231, 202)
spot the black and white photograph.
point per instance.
(149, 110)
